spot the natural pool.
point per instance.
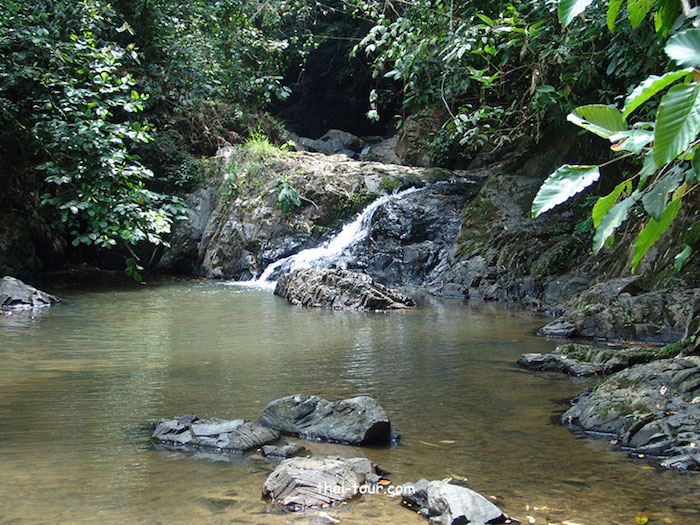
(78, 383)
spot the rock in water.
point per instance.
(318, 482)
(450, 504)
(192, 433)
(15, 294)
(286, 451)
(652, 409)
(339, 290)
(355, 421)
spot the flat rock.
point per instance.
(558, 328)
(285, 451)
(450, 504)
(651, 409)
(339, 290)
(226, 436)
(15, 294)
(319, 481)
(355, 421)
(558, 363)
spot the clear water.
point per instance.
(79, 382)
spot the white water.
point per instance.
(329, 251)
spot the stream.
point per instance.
(79, 383)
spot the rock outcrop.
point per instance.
(319, 482)
(355, 421)
(585, 360)
(14, 294)
(339, 290)
(226, 436)
(287, 450)
(448, 504)
(651, 409)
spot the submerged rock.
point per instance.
(285, 451)
(450, 504)
(652, 409)
(318, 482)
(339, 290)
(558, 363)
(15, 294)
(355, 421)
(227, 436)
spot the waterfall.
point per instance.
(331, 250)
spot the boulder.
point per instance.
(15, 294)
(332, 142)
(355, 421)
(651, 409)
(318, 482)
(226, 436)
(383, 151)
(339, 290)
(450, 504)
(282, 452)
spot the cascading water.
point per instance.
(330, 251)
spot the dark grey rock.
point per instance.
(339, 290)
(450, 504)
(14, 294)
(355, 421)
(558, 328)
(282, 452)
(226, 436)
(558, 363)
(318, 482)
(652, 409)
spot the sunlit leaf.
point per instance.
(637, 10)
(613, 9)
(570, 9)
(677, 122)
(684, 47)
(650, 87)
(561, 185)
(600, 119)
(612, 220)
(603, 205)
(653, 231)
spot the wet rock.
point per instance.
(318, 482)
(355, 421)
(14, 294)
(585, 360)
(450, 504)
(558, 363)
(558, 328)
(652, 409)
(282, 452)
(332, 142)
(383, 151)
(226, 436)
(339, 290)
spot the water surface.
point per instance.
(79, 382)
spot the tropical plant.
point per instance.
(286, 194)
(666, 144)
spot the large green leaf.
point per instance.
(665, 16)
(613, 9)
(634, 140)
(677, 122)
(684, 47)
(603, 205)
(637, 10)
(561, 185)
(650, 87)
(600, 119)
(655, 198)
(654, 230)
(612, 220)
(570, 9)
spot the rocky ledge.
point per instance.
(14, 294)
(355, 421)
(650, 409)
(339, 290)
(227, 436)
(319, 482)
(585, 360)
(450, 504)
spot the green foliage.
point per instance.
(287, 196)
(65, 87)
(563, 184)
(500, 70)
(666, 147)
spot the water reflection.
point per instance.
(79, 382)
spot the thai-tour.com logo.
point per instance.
(341, 489)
